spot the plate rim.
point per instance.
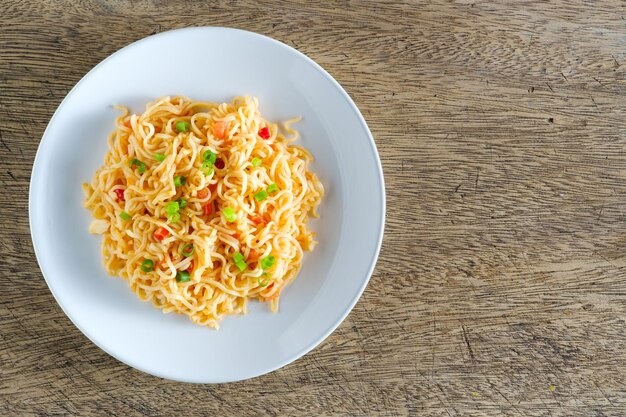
(381, 224)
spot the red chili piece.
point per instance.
(257, 220)
(161, 233)
(264, 133)
(119, 193)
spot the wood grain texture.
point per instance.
(501, 285)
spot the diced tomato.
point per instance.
(212, 187)
(235, 235)
(161, 233)
(264, 133)
(119, 193)
(219, 129)
(202, 193)
(219, 163)
(207, 208)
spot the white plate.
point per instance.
(213, 64)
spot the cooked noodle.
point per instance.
(205, 262)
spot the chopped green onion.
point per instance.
(159, 157)
(172, 207)
(141, 167)
(268, 262)
(147, 265)
(261, 195)
(267, 280)
(256, 162)
(182, 276)
(207, 168)
(272, 188)
(179, 180)
(187, 250)
(230, 214)
(182, 126)
(239, 262)
(209, 156)
(182, 203)
(125, 216)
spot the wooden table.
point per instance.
(500, 289)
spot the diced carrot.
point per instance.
(207, 208)
(202, 193)
(190, 266)
(127, 124)
(235, 235)
(219, 128)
